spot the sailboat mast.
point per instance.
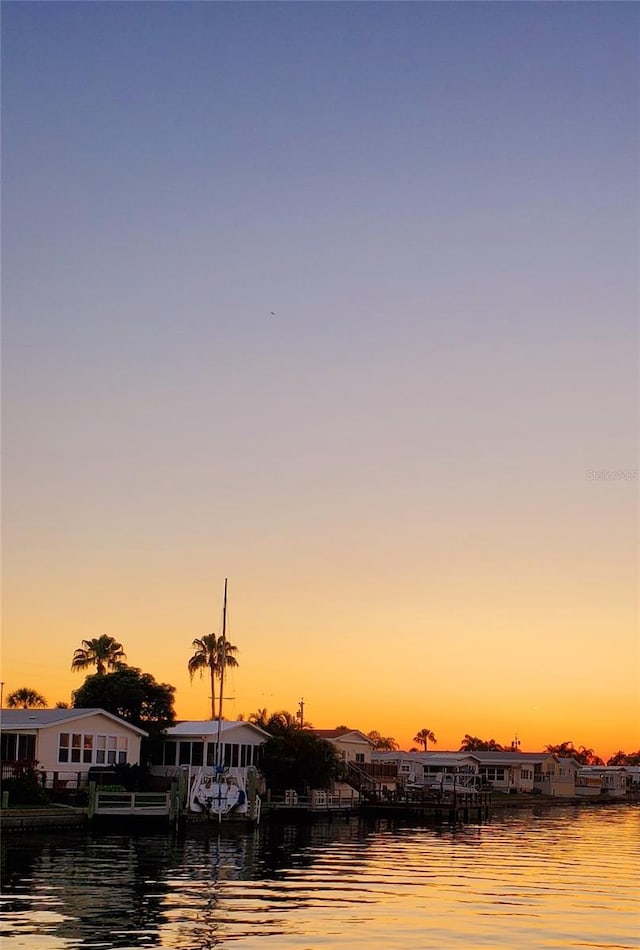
(223, 637)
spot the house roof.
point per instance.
(446, 758)
(208, 728)
(395, 756)
(340, 734)
(43, 718)
(508, 757)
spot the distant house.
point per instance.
(511, 770)
(506, 771)
(67, 742)
(196, 743)
(352, 745)
(356, 749)
(438, 764)
(596, 780)
(407, 765)
(558, 777)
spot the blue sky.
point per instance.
(438, 203)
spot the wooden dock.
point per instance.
(106, 804)
(458, 808)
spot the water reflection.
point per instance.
(562, 879)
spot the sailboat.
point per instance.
(219, 790)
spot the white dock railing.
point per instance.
(131, 803)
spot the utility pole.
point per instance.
(300, 713)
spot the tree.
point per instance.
(132, 695)
(382, 743)
(259, 718)
(25, 698)
(424, 737)
(624, 758)
(296, 758)
(105, 653)
(282, 721)
(214, 654)
(474, 744)
(567, 750)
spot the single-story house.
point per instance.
(596, 780)
(436, 765)
(512, 770)
(234, 744)
(65, 743)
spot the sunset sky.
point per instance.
(339, 301)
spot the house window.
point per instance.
(18, 748)
(360, 757)
(492, 774)
(101, 750)
(122, 748)
(63, 747)
(87, 749)
(112, 748)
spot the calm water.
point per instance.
(560, 878)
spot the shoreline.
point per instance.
(59, 817)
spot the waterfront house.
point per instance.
(396, 770)
(596, 780)
(66, 743)
(234, 744)
(360, 773)
(515, 771)
(351, 744)
(436, 765)
(557, 777)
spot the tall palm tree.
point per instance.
(25, 698)
(214, 654)
(424, 737)
(105, 653)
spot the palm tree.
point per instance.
(105, 653)
(382, 743)
(424, 737)
(25, 698)
(259, 718)
(214, 654)
(474, 744)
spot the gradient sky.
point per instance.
(439, 204)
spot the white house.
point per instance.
(352, 745)
(209, 742)
(355, 749)
(596, 780)
(512, 770)
(67, 742)
(438, 764)
(408, 767)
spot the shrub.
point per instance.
(25, 787)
